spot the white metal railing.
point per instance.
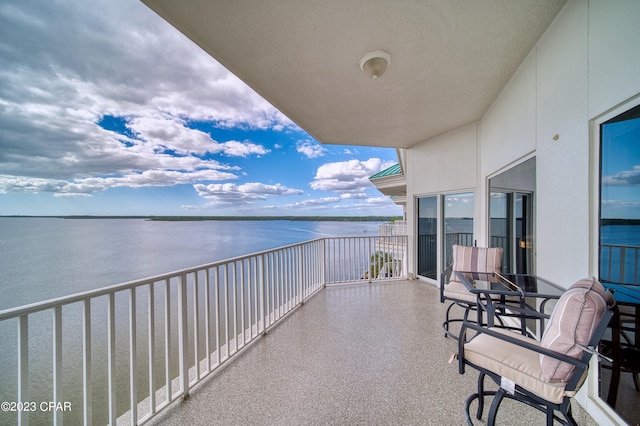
(123, 353)
(620, 263)
(399, 227)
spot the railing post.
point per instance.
(183, 337)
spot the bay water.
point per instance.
(45, 258)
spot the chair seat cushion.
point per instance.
(458, 291)
(514, 363)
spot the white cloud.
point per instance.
(348, 176)
(68, 65)
(623, 178)
(65, 65)
(87, 186)
(230, 193)
(310, 148)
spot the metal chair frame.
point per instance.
(521, 394)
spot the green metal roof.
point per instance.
(393, 170)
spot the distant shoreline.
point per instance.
(227, 218)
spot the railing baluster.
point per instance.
(262, 299)
(183, 337)
(270, 298)
(225, 283)
(151, 318)
(167, 339)
(57, 362)
(242, 301)
(23, 367)
(235, 305)
(87, 387)
(133, 371)
(207, 320)
(256, 295)
(216, 313)
(623, 252)
(196, 326)
(635, 266)
(111, 356)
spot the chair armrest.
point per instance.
(445, 276)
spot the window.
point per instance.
(620, 198)
(619, 258)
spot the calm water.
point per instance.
(43, 258)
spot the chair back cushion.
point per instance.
(477, 259)
(572, 323)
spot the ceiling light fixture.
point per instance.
(375, 63)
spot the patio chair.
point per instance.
(544, 374)
(468, 259)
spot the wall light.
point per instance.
(375, 63)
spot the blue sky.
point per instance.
(105, 109)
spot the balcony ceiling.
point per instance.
(450, 59)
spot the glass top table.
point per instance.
(497, 288)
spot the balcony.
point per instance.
(328, 331)
(356, 354)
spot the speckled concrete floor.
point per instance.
(366, 354)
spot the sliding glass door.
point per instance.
(511, 217)
(428, 237)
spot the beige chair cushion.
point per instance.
(471, 259)
(458, 291)
(514, 363)
(571, 325)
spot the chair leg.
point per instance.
(495, 404)
(480, 396)
(467, 406)
(445, 324)
(567, 414)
